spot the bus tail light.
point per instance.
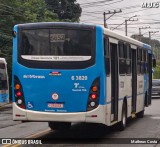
(18, 91)
(18, 94)
(93, 98)
(17, 86)
(94, 88)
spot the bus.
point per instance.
(4, 86)
(73, 72)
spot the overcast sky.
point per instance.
(92, 12)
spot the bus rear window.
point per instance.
(56, 45)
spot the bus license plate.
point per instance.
(55, 105)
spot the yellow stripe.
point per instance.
(39, 133)
(16, 145)
(7, 145)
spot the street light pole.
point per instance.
(126, 27)
(151, 32)
(129, 19)
(112, 13)
(140, 31)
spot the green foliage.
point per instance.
(156, 74)
(67, 10)
(26, 11)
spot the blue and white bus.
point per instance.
(71, 72)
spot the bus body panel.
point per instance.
(71, 86)
(21, 114)
(43, 88)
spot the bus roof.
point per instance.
(88, 25)
(126, 39)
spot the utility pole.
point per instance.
(140, 31)
(126, 32)
(151, 32)
(109, 12)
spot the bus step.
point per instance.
(133, 115)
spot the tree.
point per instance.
(15, 12)
(67, 10)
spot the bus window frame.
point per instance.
(59, 64)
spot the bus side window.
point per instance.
(139, 59)
(122, 62)
(128, 58)
(107, 56)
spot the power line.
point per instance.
(95, 2)
(123, 8)
(102, 4)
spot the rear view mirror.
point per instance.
(14, 33)
(154, 63)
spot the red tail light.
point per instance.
(18, 91)
(18, 94)
(93, 96)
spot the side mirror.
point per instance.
(14, 33)
(154, 63)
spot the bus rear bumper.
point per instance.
(95, 116)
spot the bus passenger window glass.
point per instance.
(139, 55)
(107, 56)
(106, 47)
(121, 50)
(128, 59)
(56, 42)
(127, 52)
(35, 42)
(3, 77)
(122, 62)
(144, 55)
(70, 42)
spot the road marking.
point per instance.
(16, 145)
(155, 117)
(6, 145)
(44, 132)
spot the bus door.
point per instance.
(150, 79)
(134, 78)
(114, 79)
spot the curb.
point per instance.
(5, 105)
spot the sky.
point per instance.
(92, 12)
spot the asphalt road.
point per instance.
(147, 127)
(90, 134)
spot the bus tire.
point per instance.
(59, 125)
(123, 122)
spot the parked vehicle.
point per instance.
(156, 87)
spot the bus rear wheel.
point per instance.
(59, 125)
(123, 122)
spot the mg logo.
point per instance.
(55, 96)
(150, 5)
